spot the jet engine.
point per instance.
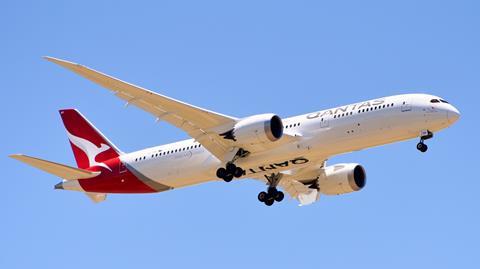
(341, 178)
(256, 129)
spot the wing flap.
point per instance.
(57, 169)
(299, 191)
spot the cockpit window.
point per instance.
(434, 101)
(443, 101)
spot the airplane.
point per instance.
(290, 153)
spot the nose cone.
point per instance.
(453, 115)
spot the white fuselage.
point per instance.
(320, 135)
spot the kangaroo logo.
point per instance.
(90, 149)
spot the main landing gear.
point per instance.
(272, 194)
(425, 135)
(230, 170)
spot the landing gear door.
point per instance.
(406, 106)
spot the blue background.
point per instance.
(240, 58)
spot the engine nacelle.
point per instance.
(342, 178)
(256, 129)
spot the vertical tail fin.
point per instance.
(90, 147)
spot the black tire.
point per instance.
(238, 172)
(422, 147)
(269, 202)
(262, 197)
(231, 168)
(272, 192)
(221, 172)
(425, 148)
(279, 197)
(228, 177)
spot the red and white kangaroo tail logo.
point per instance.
(89, 146)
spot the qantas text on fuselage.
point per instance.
(288, 153)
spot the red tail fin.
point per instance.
(90, 147)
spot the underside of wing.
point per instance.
(201, 124)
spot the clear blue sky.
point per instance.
(240, 58)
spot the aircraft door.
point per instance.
(324, 123)
(406, 106)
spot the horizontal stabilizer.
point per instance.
(59, 170)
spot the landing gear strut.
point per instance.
(425, 135)
(272, 194)
(231, 170)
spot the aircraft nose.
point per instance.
(453, 114)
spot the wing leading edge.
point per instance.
(201, 124)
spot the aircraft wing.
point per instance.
(201, 124)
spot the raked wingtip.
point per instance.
(61, 62)
(53, 59)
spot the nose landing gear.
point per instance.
(424, 135)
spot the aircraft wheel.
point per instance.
(231, 167)
(238, 172)
(221, 172)
(272, 192)
(279, 197)
(228, 177)
(262, 197)
(269, 202)
(422, 147)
